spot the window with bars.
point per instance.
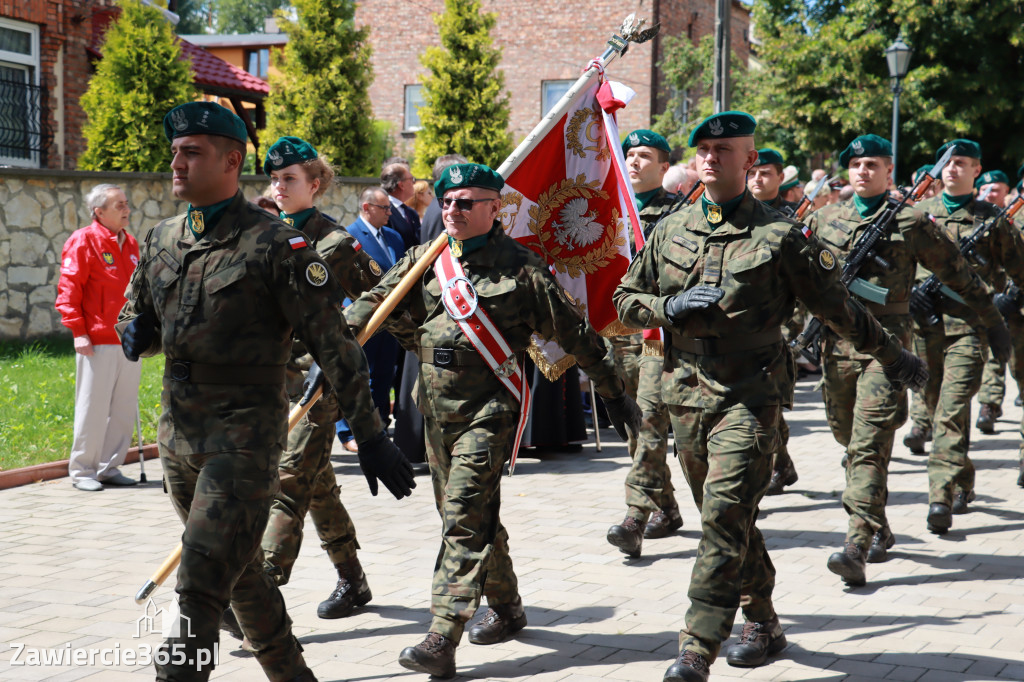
(23, 133)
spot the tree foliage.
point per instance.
(141, 76)
(465, 109)
(322, 94)
(244, 16)
(193, 16)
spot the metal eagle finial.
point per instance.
(632, 29)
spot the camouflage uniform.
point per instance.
(649, 481)
(307, 475)
(993, 378)
(955, 350)
(470, 417)
(863, 408)
(226, 308)
(728, 377)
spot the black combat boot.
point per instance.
(435, 656)
(689, 667)
(499, 623)
(628, 536)
(757, 642)
(849, 565)
(960, 501)
(781, 478)
(916, 439)
(663, 523)
(352, 591)
(881, 543)
(987, 416)
(940, 518)
(1020, 476)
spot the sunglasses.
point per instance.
(461, 204)
(385, 207)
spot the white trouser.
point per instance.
(106, 395)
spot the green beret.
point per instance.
(961, 147)
(920, 172)
(865, 145)
(203, 118)
(287, 151)
(790, 178)
(766, 156)
(725, 124)
(989, 177)
(645, 138)
(467, 175)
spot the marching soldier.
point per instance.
(298, 177)
(652, 511)
(722, 277)
(470, 319)
(220, 290)
(863, 406)
(765, 179)
(955, 347)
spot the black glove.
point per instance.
(380, 458)
(314, 380)
(138, 336)
(1008, 302)
(624, 414)
(908, 370)
(999, 342)
(921, 305)
(696, 298)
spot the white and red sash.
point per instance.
(460, 301)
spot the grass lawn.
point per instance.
(37, 401)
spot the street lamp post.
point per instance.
(897, 57)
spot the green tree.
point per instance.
(321, 94)
(141, 76)
(465, 107)
(825, 79)
(244, 16)
(193, 16)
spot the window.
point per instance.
(21, 97)
(257, 62)
(551, 92)
(413, 102)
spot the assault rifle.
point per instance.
(864, 250)
(932, 288)
(681, 200)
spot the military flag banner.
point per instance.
(570, 200)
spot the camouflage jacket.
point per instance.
(778, 203)
(1000, 249)
(235, 298)
(516, 289)
(762, 261)
(915, 239)
(354, 271)
(652, 212)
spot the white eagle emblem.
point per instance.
(577, 227)
(634, 139)
(179, 120)
(275, 158)
(715, 127)
(455, 176)
(857, 147)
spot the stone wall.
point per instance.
(40, 209)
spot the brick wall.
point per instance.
(67, 25)
(540, 41)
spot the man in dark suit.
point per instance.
(398, 181)
(384, 246)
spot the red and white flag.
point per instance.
(570, 200)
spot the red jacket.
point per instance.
(94, 273)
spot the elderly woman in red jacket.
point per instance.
(95, 267)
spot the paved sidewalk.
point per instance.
(949, 608)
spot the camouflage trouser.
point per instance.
(308, 483)
(864, 410)
(928, 345)
(993, 379)
(649, 481)
(627, 366)
(726, 457)
(955, 364)
(224, 500)
(782, 458)
(466, 462)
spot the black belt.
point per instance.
(897, 308)
(449, 357)
(723, 346)
(199, 373)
